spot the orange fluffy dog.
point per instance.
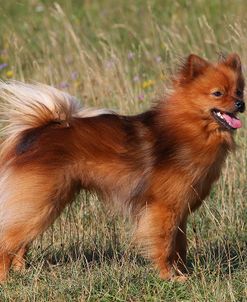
(159, 165)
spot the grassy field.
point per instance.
(120, 54)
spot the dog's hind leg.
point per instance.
(29, 203)
(181, 247)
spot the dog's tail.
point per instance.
(25, 106)
(28, 106)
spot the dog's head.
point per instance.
(213, 93)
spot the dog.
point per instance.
(157, 166)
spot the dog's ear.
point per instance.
(234, 62)
(191, 69)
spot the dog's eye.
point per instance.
(239, 93)
(217, 93)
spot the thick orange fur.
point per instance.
(158, 166)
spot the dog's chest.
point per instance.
(201, 187)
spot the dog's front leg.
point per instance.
(18, 262)
(5, 263)
(156, 234)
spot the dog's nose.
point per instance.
(240, 105)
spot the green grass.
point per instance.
(121, 54)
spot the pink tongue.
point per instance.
(232, 121)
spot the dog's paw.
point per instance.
(166, 275)
(180, 279)
(171, 276)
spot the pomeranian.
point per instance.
(157, 166)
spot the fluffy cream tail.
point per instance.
(26, 106)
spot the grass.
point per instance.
(121, 55)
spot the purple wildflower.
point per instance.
(3, 65)
(141, 97)
(74, 75)
(130, 55)
(136, 78)
(64, 85)
(109, 64)
(158, 59)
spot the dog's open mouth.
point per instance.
(227, 120)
